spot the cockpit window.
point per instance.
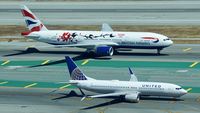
(166, 39)
(178, 88)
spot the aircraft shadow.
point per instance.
(116, 100)
(35, 50)
(81, 55)
(112, 102)
(71, 94)
(76, 58)
(160, 99)
(74, 94)
(139, 54)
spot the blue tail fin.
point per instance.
(74, 71)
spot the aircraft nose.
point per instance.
(167, 42)
(183, 92)
(171, 42)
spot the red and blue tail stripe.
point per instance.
(27, 14)
(32, 22)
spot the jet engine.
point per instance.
(132, 97)
(104, 51)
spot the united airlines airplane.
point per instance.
(102, 43)
(129, 90)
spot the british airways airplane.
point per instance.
(102, 43)
(129, 90)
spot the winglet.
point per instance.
(133, 77)
(130, 71)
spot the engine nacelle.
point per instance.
(104, 51)
(132, 98)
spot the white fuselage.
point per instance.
(138, 40)
(144, 88)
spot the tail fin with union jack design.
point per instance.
(32, 22)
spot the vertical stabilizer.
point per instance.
(74, 71)
(32, 22)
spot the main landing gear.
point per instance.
(158, 51)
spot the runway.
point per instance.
(32, 89)
(96, 13)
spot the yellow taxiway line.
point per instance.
(88, 98)
(189, 89)
(30, 85)
(3, 82)
(6, 62)
(187, 49)
(85, 62)
(65, 86)
(32, 46)
(193, 64)
(45, 62)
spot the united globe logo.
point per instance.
(77, 75)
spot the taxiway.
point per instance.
(30, 90)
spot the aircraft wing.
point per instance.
(113, 94)
(108, 94)
(89, 44)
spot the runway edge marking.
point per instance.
(30, 85)
(193, 64)
(5, 62)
